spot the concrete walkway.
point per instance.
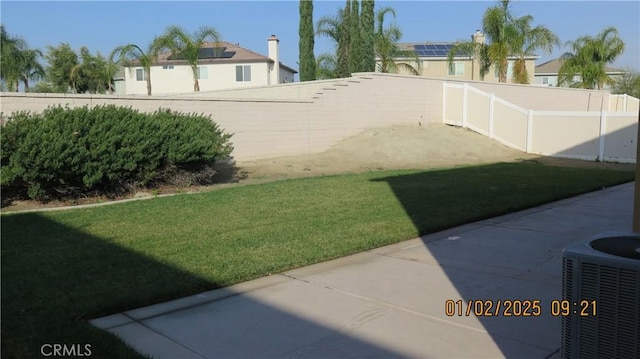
(390, 302)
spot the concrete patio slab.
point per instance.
(390, 302)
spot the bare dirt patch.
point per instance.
(386, 148)
(395, 147)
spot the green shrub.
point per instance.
(64, 152)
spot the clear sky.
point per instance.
(103, 25)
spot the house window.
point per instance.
(167, 67)
(203, 73)
(243, 73)
(509, 71)
(140, 75)
(456, 69)
(545, 80)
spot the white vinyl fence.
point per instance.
(623, 103)
(594, 135)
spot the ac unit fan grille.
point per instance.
(614, 332)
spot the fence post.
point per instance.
(464, 105)
(624, 103)
(492, 99)
(529, 130)
(603, 129)
(444, 102)
(636, 190)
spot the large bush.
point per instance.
(65, 152)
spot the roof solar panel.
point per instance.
(207, 53)
(436, 50)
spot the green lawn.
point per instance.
(60, 269)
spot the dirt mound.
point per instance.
(395, 147)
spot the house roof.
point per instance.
(553, 67)
(435, 49)
(220, 53)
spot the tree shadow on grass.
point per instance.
(56, 278)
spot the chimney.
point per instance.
(478, 37)
(274, 54)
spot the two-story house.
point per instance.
(222, 65)
(432, 62)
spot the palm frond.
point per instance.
(329, 26)
(380, 16)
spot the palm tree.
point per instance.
(187, 47)
(110, 69)
(498, 28)
(14, 58)
(129, 54)
(29, 67)
(386, 47)
(337, 29)
(8, 68)
(508, 36)
(326, 67)
(589, 59)
(329, 26)
(527, 40)
(471, 50)
(497, 24)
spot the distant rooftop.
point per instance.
(219, 52)
(553, 67)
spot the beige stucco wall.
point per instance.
(265, 128)
(299, 90)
